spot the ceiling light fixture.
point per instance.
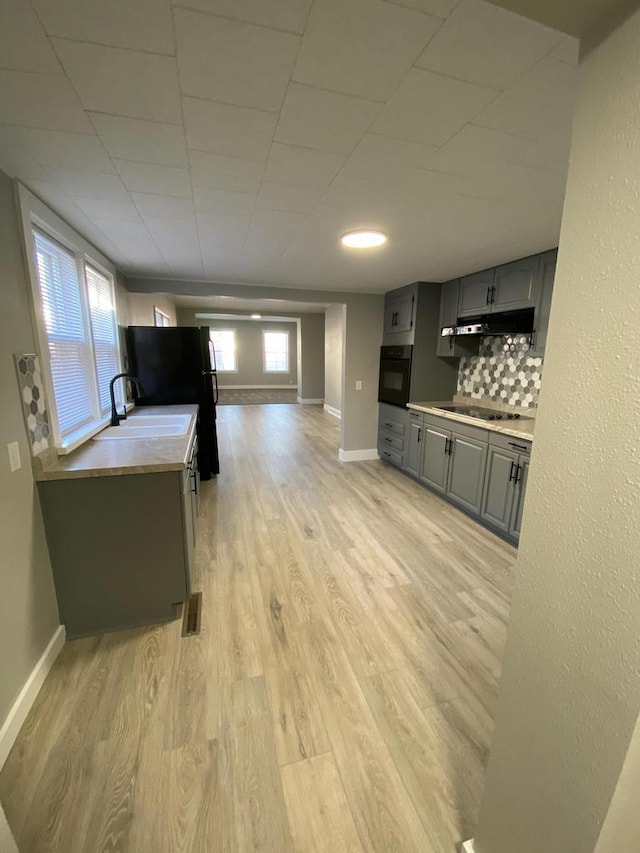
(363, 239)
(256, 316)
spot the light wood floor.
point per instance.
(341, 693)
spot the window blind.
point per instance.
(69, 351)
(104, 328)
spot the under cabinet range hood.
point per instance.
(504, 323)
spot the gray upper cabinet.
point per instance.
(466, 471)
(399, 315)
(451, 346)
(515, 285)
(435, 459)
(475, 293)
(497, 501)
(546, 276)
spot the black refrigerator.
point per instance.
(176, 365)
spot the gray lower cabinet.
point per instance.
(413, 443)
(505, 484)
(122, 548)
(467, 462)
(435, 458)
(392, 426)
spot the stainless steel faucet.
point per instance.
(115, 417)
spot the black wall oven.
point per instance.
(395, 375)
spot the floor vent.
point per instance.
(191, 615)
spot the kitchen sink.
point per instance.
(147, 426)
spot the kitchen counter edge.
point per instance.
(524, 430)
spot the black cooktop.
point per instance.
(484, 414)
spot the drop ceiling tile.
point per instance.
(325, 121)
(46, 101)
(145, 141)
(89, 184)
(23, 43)
(143, 24)
(277, 219)
(100, 208)
(134, 240)
(218, 229)
(122, 82)
(358, 195)
(178, 239)
(290, 15)
(225, 173)
(234, 205)
(54, 148)
(487, 45)
(287, 198)
(301, 167)
(233, 62)
(430, 108)
(223, 129)
(541, 101)
(439, 8)
(382, 158)
(265, 245)
(156, 180)
(163, 206)
(361, 47)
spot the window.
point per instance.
(275, 347)
(224, 345)
(160, 318)
(79, 335)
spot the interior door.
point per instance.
(435, 460)
(466, 471)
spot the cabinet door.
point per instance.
(466, 471)
(435, 460)
(391, 312)
(499, 488)
(516, 285)
(448, 317)
(546, 276)
(404, 308)
(188, 530)
(518, 504)
(475, 294)
(413, 449)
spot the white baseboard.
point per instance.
(357, 455)
(256, 387)
(309, 401)
(18, 714)
(331, 410)
(468, 847)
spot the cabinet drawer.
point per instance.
(389, 425)
(508, 442)
(390, 455)
(391, 441)
(415, 417)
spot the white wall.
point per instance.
(570, 691)
(141, 307)
(334, 329)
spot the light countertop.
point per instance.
(110, 458)
(522, 429)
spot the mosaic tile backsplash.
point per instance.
(502, 372)
(33, 402)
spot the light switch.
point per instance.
(358, 384)
(15, 463)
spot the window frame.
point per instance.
(234, 332)
(35, 214)
(166, 319)
(285, 332)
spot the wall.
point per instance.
(249, 353)
(311, 372)
(334, 322)
(28, 609)
(141, 307)
(503, 372)
(570, 690)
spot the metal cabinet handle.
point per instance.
(493, 294)
(448, 446)
(512, 471)
(488, 295)
(519, 446)
(518, 473)
(388, 424)
(419, 433)
(386, 438)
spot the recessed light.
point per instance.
(256, 316)
(363, 239)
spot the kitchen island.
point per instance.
(120, 517)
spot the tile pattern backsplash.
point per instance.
(503, 372)
(33, 402)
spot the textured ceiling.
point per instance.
(235, 140)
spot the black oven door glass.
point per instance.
(395, 375)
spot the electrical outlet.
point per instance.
(15, 463)
(358, 384)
